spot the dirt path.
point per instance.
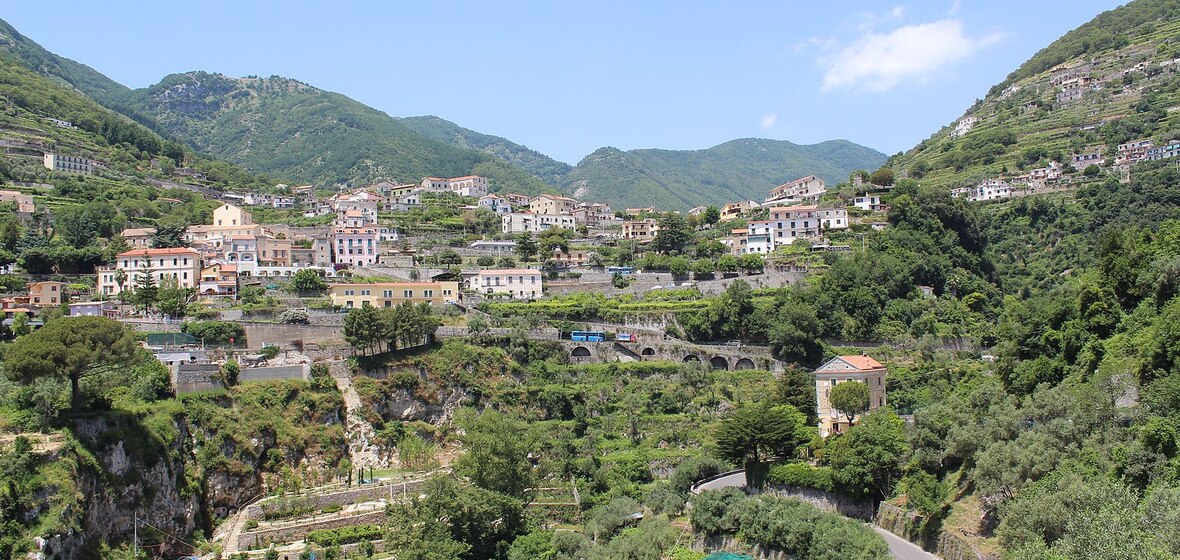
(360, 432)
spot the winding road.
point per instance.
(899, 548)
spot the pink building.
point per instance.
(355, 246)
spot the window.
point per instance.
(387, 293)
(407, 293)
(428, 293)
(365, 292)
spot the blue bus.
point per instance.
(620, 269)
(588, 336)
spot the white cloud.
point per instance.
(880, 61)
(955, 6)
(769, 121)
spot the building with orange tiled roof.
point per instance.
(846, 369)
(180, 263)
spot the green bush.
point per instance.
(800, 474)
(332, 508)
(345, 535)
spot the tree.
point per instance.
(678, 266)
(171, 299)
(796, 387)
(850, 398)
(702, 268)
(407, 325)
(526, 247)
(751, 262)
(307, 280)
(756, 432)
(868, 458)
(170, 233)
(450, 257)
(674, 234)
(497, 452)
(363, 328)
(215, 332)
(74, 348)
(230, 372)
(711, 215)
(477, 326)
(485, 261)
(506, 262)
(146, 288)
(727, 263)
(796, 335)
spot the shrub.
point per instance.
(332, 508)
(345, 535)
(295, 317)
(800, 474)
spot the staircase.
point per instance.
(357, 430)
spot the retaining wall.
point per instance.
(827, 501)
(363, 493)
(908, 525)
(262, 537)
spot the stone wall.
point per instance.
(263, 537)
(363, 493)
(188, 378)
(265, 373)
(729, 543)
(908, 525)
(828, 501)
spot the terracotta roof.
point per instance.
(496, 272)
(387, 284)
(793, 209)
(154, 252)
(861, 363)
(129, 232)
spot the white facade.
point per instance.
(833, 218)
(468, 185)
(867, 202)
(68, 164)
(517, 222)
(964, 126)
(991, 189)
(795, 222)
(495, 204)
(800, 190)
(182, 264)
(518, 283)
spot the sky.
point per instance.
(568, 77)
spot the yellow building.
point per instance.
(389, 294)
(228, 215)
(844, 369)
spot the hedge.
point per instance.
(801, 474)
(345, 535)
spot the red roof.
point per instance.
(861, 363)
(509, 271)
(155, 252)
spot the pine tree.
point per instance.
(146, 288)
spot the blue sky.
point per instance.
(568, 77)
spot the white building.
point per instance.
(800, 190)
(519, 222)
(868, 202)
(833, 218)
(68, 164)
(964, 126)
(518, 283)
(495, 204)
(181, 263)
(795, 222)
(991, 189)
(468, 185)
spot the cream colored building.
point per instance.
(641, 230)
(518, 283)
(389, 294)
(138, 238)
(181, 263)
(552, 205)
(24, 202)
(846, 369)
(228, 215)
(808, 188)
(46, 293)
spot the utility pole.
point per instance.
(135, 534)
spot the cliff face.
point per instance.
(121, 477)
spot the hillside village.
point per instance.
(968, 352)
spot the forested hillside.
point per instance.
(1124, 61)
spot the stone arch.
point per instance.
(649, 351)
(744, 363)
(719, 362)
(580, 352)
(691, 358)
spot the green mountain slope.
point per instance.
(536, 163)
(283, 126)
(1127, 52)
(736, 170)
(94, 84)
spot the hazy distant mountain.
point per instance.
(735, 170)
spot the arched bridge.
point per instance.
(646, 349)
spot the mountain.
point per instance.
(536, 163)
(736, 170)
(1109, 81)
(92, 83)
(282, 126)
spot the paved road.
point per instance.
(899, 548)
